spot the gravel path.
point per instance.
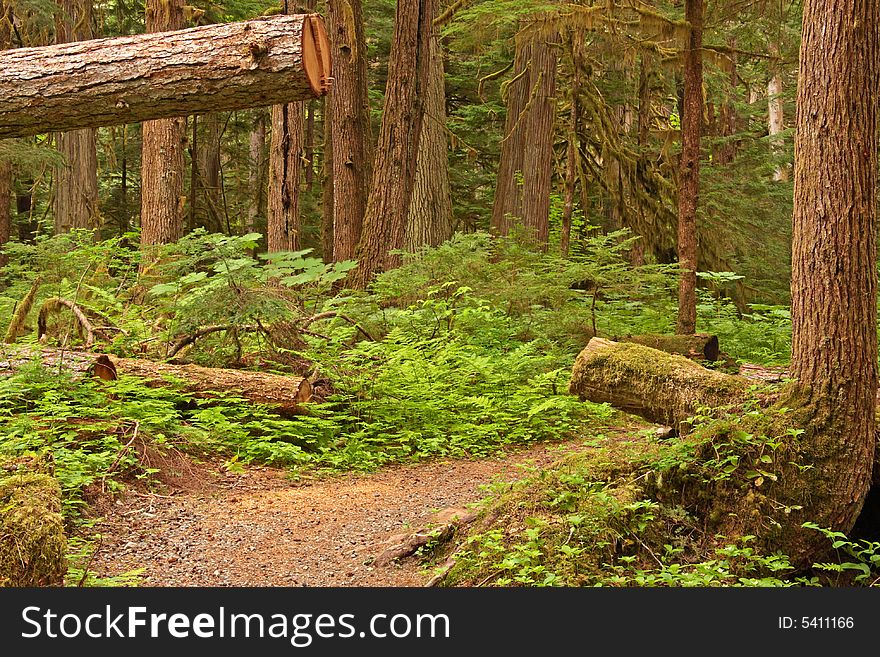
(260, 528)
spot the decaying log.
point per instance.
(128, 79)
(701, 346)
(286, 394)
(660, 387)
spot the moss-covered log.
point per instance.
(32, 542)
(284, 393)
(701, 346)
(653, 384)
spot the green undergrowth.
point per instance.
(637, 511)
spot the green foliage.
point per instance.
(857, 561)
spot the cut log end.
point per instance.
(316, 55)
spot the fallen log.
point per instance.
(286, 394)
(128, 79)
(660, 387)
(701, 346)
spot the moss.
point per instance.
(32, 541)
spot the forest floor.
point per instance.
(259, 527)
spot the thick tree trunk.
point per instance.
(257, 174)
(834, 276)
(430, 214)
(689, 170)
(162, 151)
(149, 76)
(507, 206)
(285, 175)
(285, 393)
(660, 387)
(394, 169)
(538, 155)
(348, 116)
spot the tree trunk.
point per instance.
(689, 170)
(257, 174)
(430, 213)
(150, 76)
(834, 276)
(508, 185)
(327, 233)
(76, 178)
(526, 168)
(162, 151)
(660, 387)
(402, 117)
(348, 116)
(285, 174)
(284, 393)
(776, 116)
(572, 149)
(209, 174)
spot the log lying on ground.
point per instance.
(129, 79)
(653, 384)
(701, 346)
(32, 542)
(286, 394)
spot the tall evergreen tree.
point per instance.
(162, 151)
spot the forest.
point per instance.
(445, 293)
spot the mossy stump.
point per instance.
(32, 541)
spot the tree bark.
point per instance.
(430, 213)
(526, 168)
(150, 76)
(162, 151)
(776, 116)
(257, 174)
(572, 149)
(349, 119)
(327, 186)
(76, 178)
(285, 174)
(660, 387)
(508, 185)
(402, 117)
(689, 170)
(284, 393)
(834, 276)
(209, 174)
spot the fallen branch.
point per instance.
(54, 305)
(330, 314)
(187, 340)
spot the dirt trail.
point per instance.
(259, 528)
